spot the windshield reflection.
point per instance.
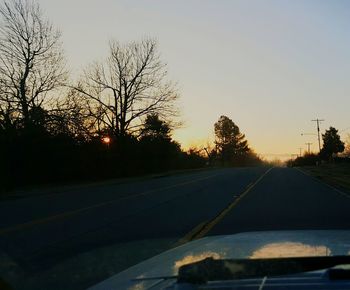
(138, 286)
(195, 258)
(289, 249)
(271, 250)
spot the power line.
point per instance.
(318, 131)
(308, 146)
(302, 134)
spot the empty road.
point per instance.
(74, 237)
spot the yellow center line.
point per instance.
(66, 214)
(209, 225)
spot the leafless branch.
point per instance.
(128, 86)
(31, 57)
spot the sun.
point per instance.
(106, 140)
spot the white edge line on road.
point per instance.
(322, 182)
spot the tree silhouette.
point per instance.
(155, 128)
(158, 149)
(230, 142)
(331, 144)
(128, 86)
(31, 61)
(47, 138)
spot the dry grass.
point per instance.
(335, 174)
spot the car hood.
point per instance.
(238, 246)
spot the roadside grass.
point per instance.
(337, 175)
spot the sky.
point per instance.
(271, 66)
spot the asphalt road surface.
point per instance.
(74, 237)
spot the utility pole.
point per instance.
(300, 148)
(308, 147)
(206, 151)
(318, 131)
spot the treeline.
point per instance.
(37, 155)
(330, 152)
(116, 120)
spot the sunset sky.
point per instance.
(271, 66)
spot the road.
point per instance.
(75, 237)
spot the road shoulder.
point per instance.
(336, 176)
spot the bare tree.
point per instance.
(128, 86)
(70, 117)
(31, 59)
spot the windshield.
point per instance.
(210, 129)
